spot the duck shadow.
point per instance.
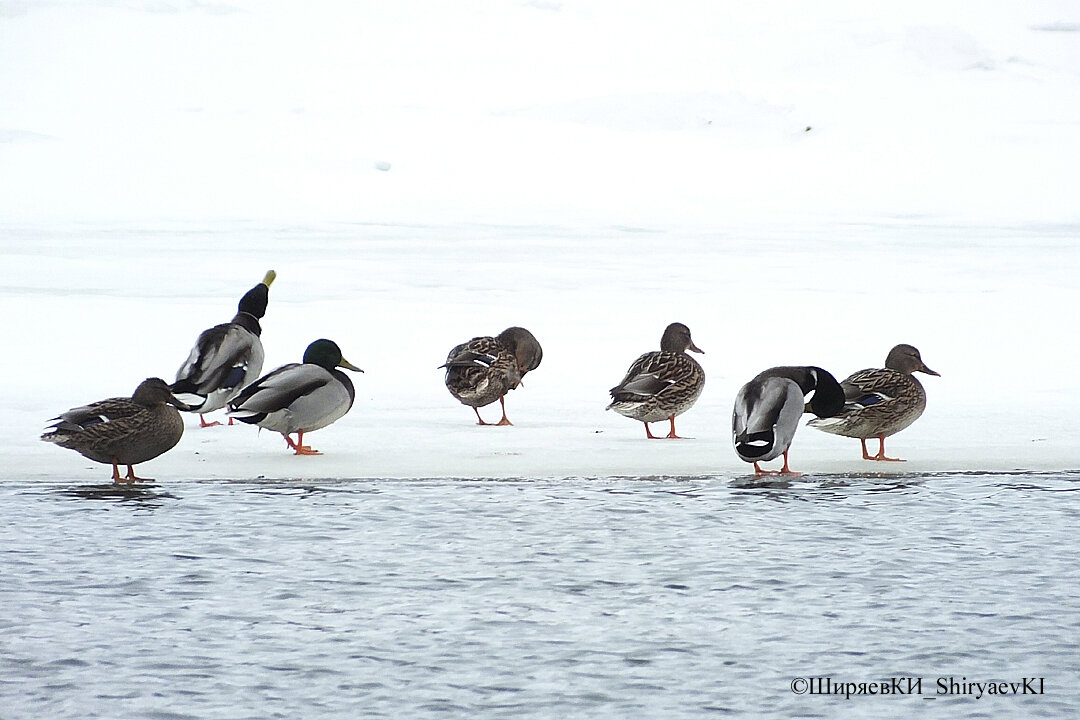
(142, 494)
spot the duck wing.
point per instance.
(111, 410)
(479, 352)
(650, 375)
(278, 390)
(480, 371)
(871, 387)
(766, 415)
(97, 424)
(223, 357)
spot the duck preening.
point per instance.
(299, 397)
(880, 401)
(661, 384)
(225, 358)
(123, 430)
(484, 369)
(768, 409)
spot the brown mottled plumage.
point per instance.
(880, 401)
(123, 431)
(484, 369)
(662, 384)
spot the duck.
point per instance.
(486, 368)
(299, 397)
(880, 402)
(768, 409)
(662, 384)
(226, 358)
(123, 430)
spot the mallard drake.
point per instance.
(768, 408)
(226, 358)
(484, 369)
(660, 385)
(299, 397)
(880, 401)
(123, 431)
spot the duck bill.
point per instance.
(179, 404)
(928, 371)
(348, 365)
(269, 278)
(695, 348)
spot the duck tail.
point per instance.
(188, 393)
(754, 444)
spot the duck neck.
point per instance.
(249, 322)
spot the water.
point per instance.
(598, 598)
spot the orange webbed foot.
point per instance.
(132, 477)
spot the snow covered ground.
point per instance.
(799, 184)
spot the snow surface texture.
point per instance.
(797, 183)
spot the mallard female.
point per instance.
(661, 384)
(484, 369)
(123, 431)
(880, 401)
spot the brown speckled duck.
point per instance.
(484, 369)
(123, 431)
(880, 401)
(662, 384)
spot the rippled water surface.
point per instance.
(620, 598)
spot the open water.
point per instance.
(584, 597)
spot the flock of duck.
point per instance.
(223, 371)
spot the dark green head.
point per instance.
(676, 339)
(255, 300)
(326, 354)
(828, 398)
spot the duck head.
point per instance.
(255, 300)
(326, 354)
(155, 391)
(826, 398)
(677, 339)
(524, 347)
(906, 359)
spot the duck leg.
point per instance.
(758, 470)
(116, 474)
(648, 432)
(131, 477)
(204, 424)
(479, 420)
(786, 470)
(881, 451)
(505, 420)
(299, 446)
(671, 435)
